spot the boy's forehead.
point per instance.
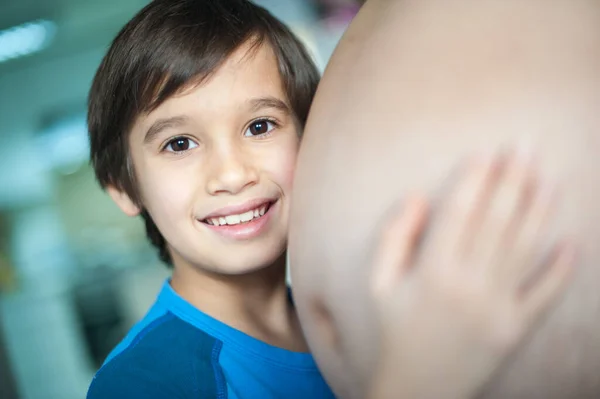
(251, 72)
(250, 55)
(248, 68)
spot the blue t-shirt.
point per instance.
(179, 352)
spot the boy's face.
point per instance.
(215, 165)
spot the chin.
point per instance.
(250, 264)
(234, 261)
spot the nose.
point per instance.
(232, 169)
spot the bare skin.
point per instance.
(466, 283)
(412, 89)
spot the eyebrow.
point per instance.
(162, 124)
(255, 105)
(258, 104)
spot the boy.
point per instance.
(194, 120)
(195, 117)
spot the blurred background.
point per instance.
(75, 273)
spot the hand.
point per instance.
(453, 305)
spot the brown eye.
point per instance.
(259, 127)
(180, 144)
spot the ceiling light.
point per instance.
(25, 39)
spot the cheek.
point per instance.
(283, 164)
(167, 192)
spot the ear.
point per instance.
(123, 201)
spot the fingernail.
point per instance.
(525, 152)
(548, 192)
(569, 251)
(485, 157)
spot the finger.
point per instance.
(463, 209)
(509, 201)
(551, 284)
(399, 242)
(530, 236)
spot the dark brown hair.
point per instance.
(167, 46)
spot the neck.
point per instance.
(256, 303)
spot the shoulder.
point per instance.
(168, 359)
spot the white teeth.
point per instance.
(237, 219)
(246, 217)
(232, 219)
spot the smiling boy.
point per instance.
(194, 120)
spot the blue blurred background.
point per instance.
(75, 273)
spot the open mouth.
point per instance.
(242, 218)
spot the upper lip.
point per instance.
(239, 209)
